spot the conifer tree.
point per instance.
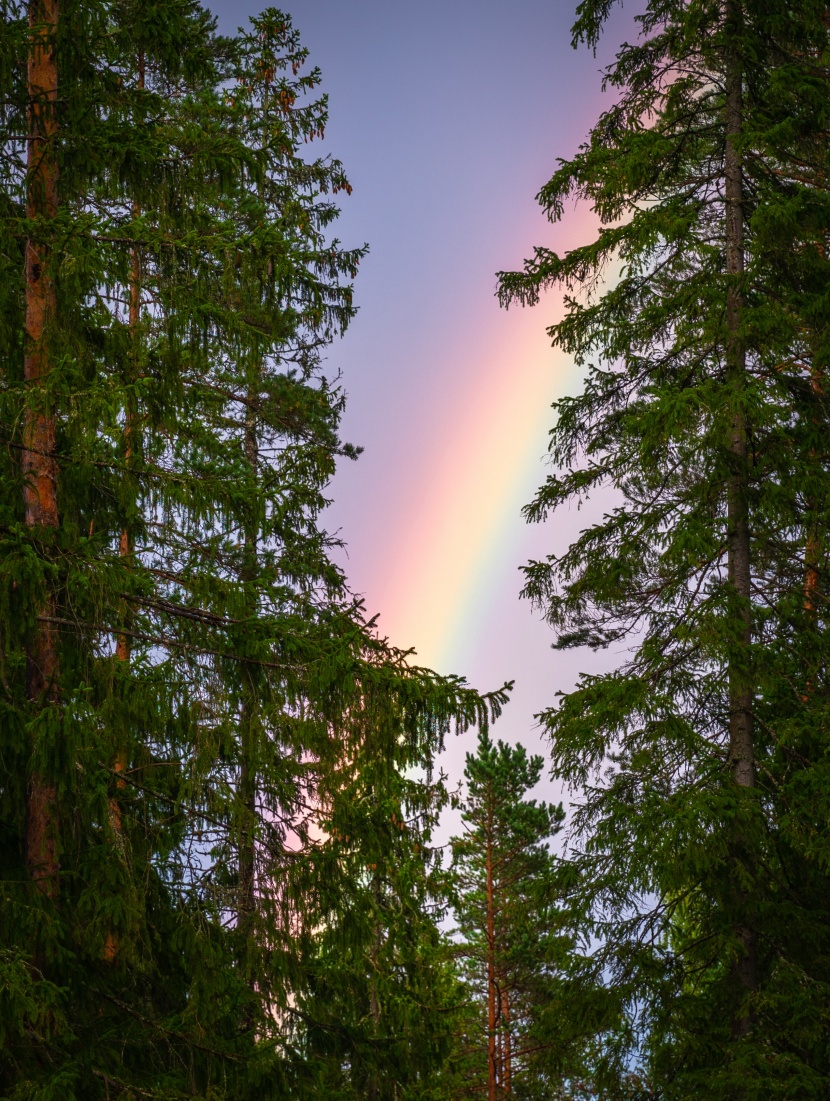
(703, 408)
(379, 1011)
(512, 944)
(180, 657)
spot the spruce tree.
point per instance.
(698, 765)
(184, 669)
(378, 1013)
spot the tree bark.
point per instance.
(812, 555)
(125, 544)
(247, 796)
(507, 1047)
(741, 746)
(492, 1067)
(39, 468)
(812, 540)
(373, 1087)
(247, 765)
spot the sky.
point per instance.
(448, 116)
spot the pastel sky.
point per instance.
(449, 115)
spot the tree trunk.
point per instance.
(373, 1088)
(507, 1050)
(247, 796)
(741, 749)
(125, 543)
(492, 1067)
(812, 541)
(247, 750)
(812, 555)
(39, 469)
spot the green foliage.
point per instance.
(676, 862)
(512, 938)
(376, 1018)
(217, 683)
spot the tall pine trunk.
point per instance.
(741, 749)
(507, 1049)
(491, 967)
(39, 468)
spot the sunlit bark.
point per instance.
(492, 1062)
(39, 468)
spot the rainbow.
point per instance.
(465, 519)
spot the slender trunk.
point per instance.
(247, 842)
(373, 1087)
(247, 763)
(507, 1051)
(125, 543)
(812, 552)
(491, 968)
(40, 500)
(812, 578)
(812, 541)
(813, 544)
(741, 749)
(246, 889)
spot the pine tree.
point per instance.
(512, 940)
(704, 410)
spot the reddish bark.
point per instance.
(507, 1047)
(492, 1061)
(40, 499)
(812, 552)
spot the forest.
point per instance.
(222, 796)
